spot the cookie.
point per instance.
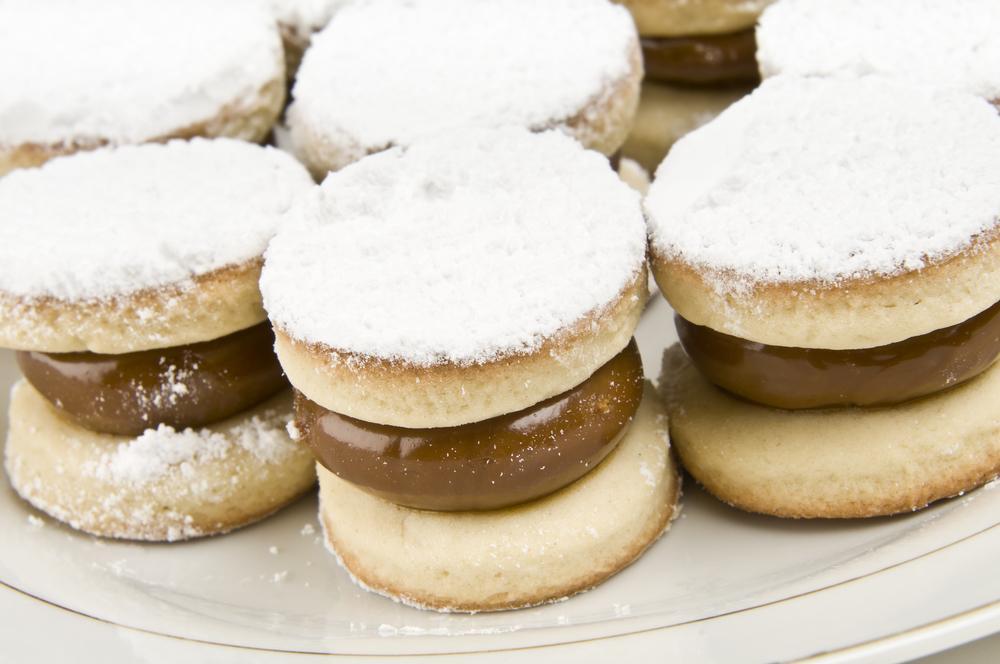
(457, 318)
(569, 64)
(132, 75)
(826, 270)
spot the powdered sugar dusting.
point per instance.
(945, 43)
(304, 16)
(385, 72)
(114, 221)
(461, 249)
(829, 179)
(163, 450)
(128, 70)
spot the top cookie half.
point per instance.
(137, 247)
(79, 75)
(942, 43)
(460, 278)
(385, 73)
(832, 213)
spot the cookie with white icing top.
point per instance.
(154, 407)
(384, 74)
(461, 278)
(818, 213)
(942, 43)
(137, 247)
(832, 249)
(82, 75)
(457, 318)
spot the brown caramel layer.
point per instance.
(727, 59)
(495, 463)
(184, 386)
(794, 378)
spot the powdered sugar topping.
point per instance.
(461, 249)
(115, 221)
(946, 43)
(128, 70)
(829, 179)
(304, 16)
(165, 450)
(385, 72)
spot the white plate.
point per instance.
(720, 583)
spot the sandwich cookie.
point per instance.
(698, 42)
(77, 76)
(297, 21)
(153, 406)
(837, 296)
(457, 318)
(942, 43)
(572, 65)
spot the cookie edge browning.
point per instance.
(665, 506)
(210, 306)
(855, 313)
(725, 474)
(249, 120)
(407, 395)
(602, 124)
(39, 434)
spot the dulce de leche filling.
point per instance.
(495, 463)
(726, 59)
(183, 386)
(794, 378)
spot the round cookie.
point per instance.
(467, 282)
(815, 213)
(164, 485)
(839, 463)
(78, 76)
(137, 247)
(574, 65)
(666, 113)
(514, 557)
(940, 43)
(674, 18)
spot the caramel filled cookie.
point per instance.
(837, 294)
(153, 405)
(457, 316)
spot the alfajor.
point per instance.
(79, 75)
(385, 73)
(832, 250)
(698, 42)
(457, 317)
(943, 43)
(152, 405)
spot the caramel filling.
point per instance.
(184, 386)
(794, 378)
(727, 59)
(495, 463)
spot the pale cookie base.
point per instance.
(539, 552)
(666, 113)
(836, 463)
(858, 313)
(246, 119)
(601, 124)
(208, 307)
(407, 395)
(682, 18)
(47, 459)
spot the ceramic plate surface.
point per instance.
(719, 577)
